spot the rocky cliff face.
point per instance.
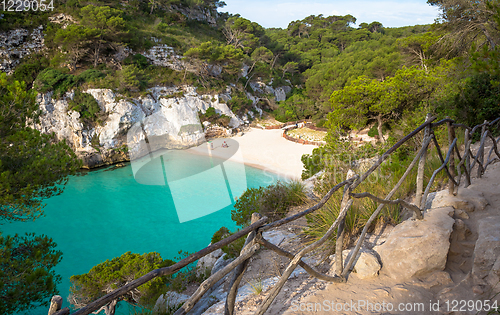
(170, 112)
(17, 44)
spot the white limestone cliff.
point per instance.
(164, 111)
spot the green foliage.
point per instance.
(227, 57)
(132, 78)
(86, 105)
(272, 201)
(30, 68)
(233, 249)
(138, 60)
(213, 117)
(105, 24)
(239, 103)
(295, 107)
(479, 100)
(27, 278)
(52, 79)
(112, 274)
(366, 99)
(55, 80)
(33, 166)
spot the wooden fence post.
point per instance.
(451, 137)
(55, 304)
(467, 141)
(480, 153)
(239, 271)
(421, 166)
(339, 242)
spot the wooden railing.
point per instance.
(466, 163)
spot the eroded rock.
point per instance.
(487, 249)
(417, 247)
(466, 200)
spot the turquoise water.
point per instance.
(105, 213)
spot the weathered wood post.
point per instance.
(421, 166)
(239, 270)
(480, 153)
(339, 242)
(467, 141)
(451, 137)
(55, 304)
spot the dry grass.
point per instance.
(379, 183)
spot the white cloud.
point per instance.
(390, 13)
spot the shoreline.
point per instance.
(263, 149)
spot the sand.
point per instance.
(264, 149)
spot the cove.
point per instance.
(104, 213)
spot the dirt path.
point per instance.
(457, 282)
(473, 255)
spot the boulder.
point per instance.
(277, 237)
(418, 247)
(168, 301)
(208, 261)
(365, 266)
(466, 200)
(487, 250)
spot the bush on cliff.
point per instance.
(272, 201)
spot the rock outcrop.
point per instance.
(418, 247)
(169, 112)
(17, 44)
(487, 252)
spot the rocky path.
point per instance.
(448, 263)
(422, 279)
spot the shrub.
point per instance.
(239, 103)
(213, 117)
(479, 100)
(112, 274)
(55, 80)
(138, 60)
(90, 75)
(86, 105)
(233, 249)
(272, 201)
(27, 72)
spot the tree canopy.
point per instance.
(33, 167)
(27, 277)
(112, 274)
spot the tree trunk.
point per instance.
(379, 128)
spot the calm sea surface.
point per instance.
(105, 213)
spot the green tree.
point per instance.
(242, 33)
(32, 167)
(27, 278)
(112, 274)
(105, 23)
(467, 22)
(366, 99)
(75, 39)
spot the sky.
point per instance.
(278, 13)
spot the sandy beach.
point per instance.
(265, 149)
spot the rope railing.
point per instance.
(453, 171)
